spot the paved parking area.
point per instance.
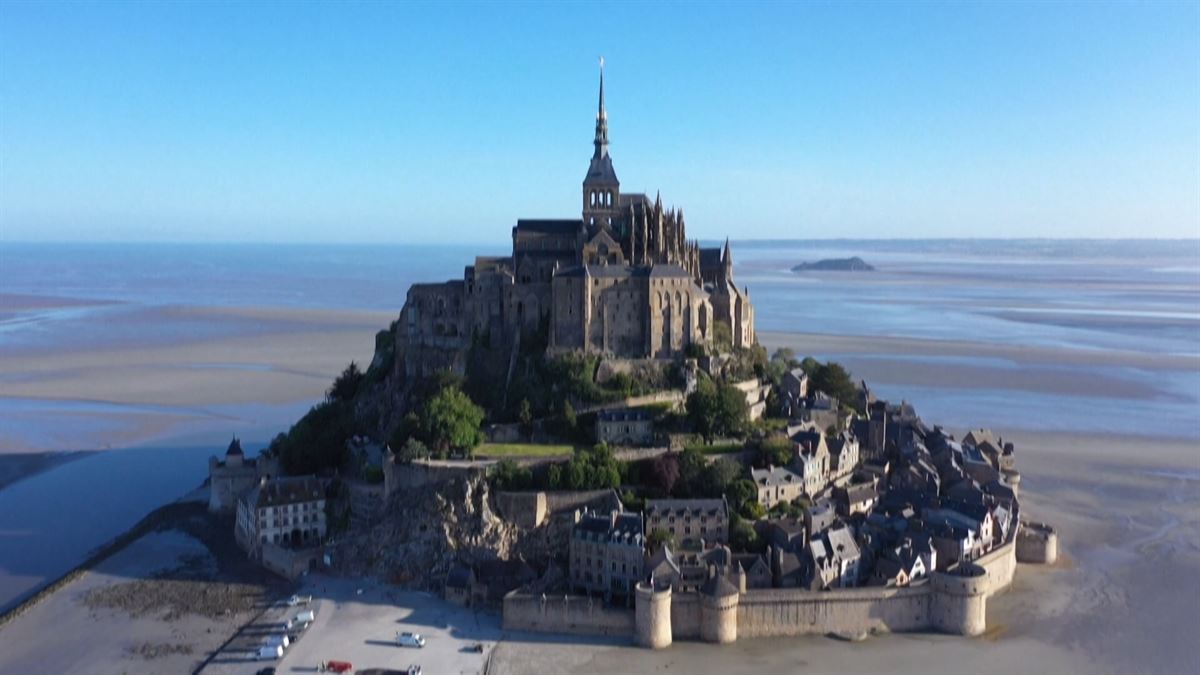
(360, 627)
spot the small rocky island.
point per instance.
(854, 264)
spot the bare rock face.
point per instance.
(425, 531)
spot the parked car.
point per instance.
(305, 617)
(270, 652)
(269, 670)
(338, 666)
(413, 670)
(296, 600)
(410, 640)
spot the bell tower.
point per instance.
(601, 189)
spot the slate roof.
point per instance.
(696, 507)
(775, 475)
(549, 225)
(719, 587)
(284, 491)
(623, 415)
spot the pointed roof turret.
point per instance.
(601, 171)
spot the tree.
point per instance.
(775, 451)
(346, 385)
(658, 539)
(752, 510)
(741, 491)
(568, 420)
(317, 441)
(722, 338)
(664, 472)
(691, 473)
(412, 449)
(716, 410)
(508, 475)
(525, 416)
(451, 421)
(718, 476)
(835, 381)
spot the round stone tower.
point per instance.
(652, 615)
(1037, 543)
(718, 610)
(1013, 478)
(959, 603)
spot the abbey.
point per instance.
(623, 280)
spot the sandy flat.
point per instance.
(819, 343)
(64, 635)
(95, 397)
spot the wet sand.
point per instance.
(256, 383)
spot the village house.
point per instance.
(626, 426)
(794, 386)
(777, 484)
(607, 553)
(843, 452)
(283, 512)
(855, 499)
(689, 522)
(811, 460)
(832, 560)
(819, 410)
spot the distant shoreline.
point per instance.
(17, 466)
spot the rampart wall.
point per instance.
(953, 602)
(574, 614)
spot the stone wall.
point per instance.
(850, 611)
(1037, 543)
(399, 476)
(954, 602)
(524, 509)
(557, 502)
(573, 614)
(289, 563)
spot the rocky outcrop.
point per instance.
(426, 530)
(854, 264)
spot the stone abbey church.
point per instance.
(622, 280)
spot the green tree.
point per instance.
(525, 416)
(658, 539)
(567, 420)
(317, 441)
(451, 421)
(752, 510)
(835, 381)
(412, 449)
(346, 385)
(508, 475)
(719, 475)
(775, 451)
(741, 491)
(716, 410)
(722, 337)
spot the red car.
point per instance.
(338, 666)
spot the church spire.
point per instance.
(601, 120)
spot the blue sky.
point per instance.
(400, 122)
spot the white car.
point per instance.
(299, 600)
(410, 640)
